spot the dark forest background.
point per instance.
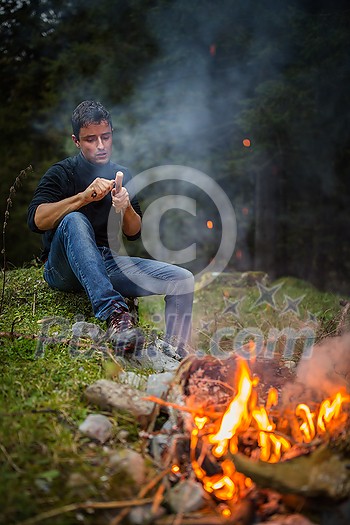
(187, 83)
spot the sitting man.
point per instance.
(72, 207)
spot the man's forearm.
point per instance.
(49, 214)
(131, 222)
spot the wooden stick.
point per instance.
(9, 459)
(88, 505)
(197, 412)
(141, 494)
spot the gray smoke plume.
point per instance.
(328, 369)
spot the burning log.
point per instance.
(323, 473)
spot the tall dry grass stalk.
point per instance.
(12, 193)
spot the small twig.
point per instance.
(112, 358)
(342, 320)
(221, 383)
(61, 417)
(158, 498)
(208, 520)
(16, 335)
(142, 493)
(88, 505)
(34, 303)
(178, 518)
(197, 412)
(54, 340)
(9, 459)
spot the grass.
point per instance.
(45, 461)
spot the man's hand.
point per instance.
(120, 195)
(120, 201)
(97, 190)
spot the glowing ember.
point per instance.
(175, 469)
(210, 225)
(246, 143)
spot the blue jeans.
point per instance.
(76, 263)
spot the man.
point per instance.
(73, 208)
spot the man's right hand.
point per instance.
(97, 190)
(49, 214)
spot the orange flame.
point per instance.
(329, 410)
(307, 427)
(236, 416)
(244, 413)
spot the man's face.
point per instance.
(95, 142)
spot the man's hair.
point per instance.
(89, 112)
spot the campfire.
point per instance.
(258, 430)
(245, 433)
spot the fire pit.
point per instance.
(256, 437)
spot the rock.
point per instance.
(97, 426)
(77, 480)
(134, 380)
(152, 357)
(83, 329)
(290, 364)
(161, 441)
(187, 496)
(110, 395)
(131, 462)
(123, 435)
(158, 384)
(144, 515)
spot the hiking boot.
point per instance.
(124, 336)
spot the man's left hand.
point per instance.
(120, 200)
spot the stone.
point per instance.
(187, 496)
(134, 380)
(131, 462)
(158, 384)
(143, 515)
(290, 364)
(77, 480)
(97, 426)
(152, 357)
(83, 329)
(110, 395)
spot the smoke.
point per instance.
(323, 374)
(185, 105)
(328, 369)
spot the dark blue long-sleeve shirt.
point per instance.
(69, 177)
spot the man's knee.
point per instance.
(75, 222)
(74, 218)
(185, 280)
(187, 275)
